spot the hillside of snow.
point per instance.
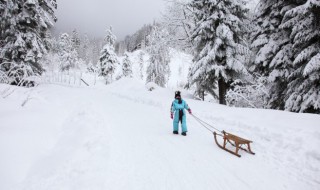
(119, 136)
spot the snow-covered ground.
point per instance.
(120, 137)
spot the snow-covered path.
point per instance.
(120, 137)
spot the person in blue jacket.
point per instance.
(178, 107)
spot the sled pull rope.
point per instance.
(203, 123)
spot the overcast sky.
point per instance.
(95, 16)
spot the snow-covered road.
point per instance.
(120, 137)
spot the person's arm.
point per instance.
(172, 109)
(186, 106)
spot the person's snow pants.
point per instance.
(180, 116)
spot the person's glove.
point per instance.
(189, 110)
(171, 116)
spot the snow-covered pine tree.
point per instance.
(108, 59)
(110, 38)
(272, 49)
(67, 54)
(141, 63)
(95, 47)
(158, 70)
(85, 48)
(220, 45)
(127, 66)
(24, 28)
(303, 21)
(76, 41)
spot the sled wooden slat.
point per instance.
(235, 141)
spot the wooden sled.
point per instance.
(234, 141)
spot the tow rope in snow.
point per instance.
(206, 125)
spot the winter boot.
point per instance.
(175, 132)
(184, 133)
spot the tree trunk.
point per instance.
(202, 95)
(222, 91)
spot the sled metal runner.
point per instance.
(235, 141)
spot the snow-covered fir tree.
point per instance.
(110, 38)
(158, 70)
(24, 28)
(303, 21)
(67, 54)
(108, 59)
(127, 66)
(141, 64)
(85, 48)
(272, 49)
(220, 46)
(76, 41)
(94, 50)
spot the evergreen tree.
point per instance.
(273, 49)
(76, 42)
(158, 70)
(24, 32)
(127, 66)
(85, 49)
(108, 59)
(95, 48)
(110, 38)
(141, 62)
(67, 54)
(220, 45)
(303, 21)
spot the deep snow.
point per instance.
(120, 137)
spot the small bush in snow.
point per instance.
(253, 95)
(151, 86)
(17, 74)
(92, 68)
(3, 77)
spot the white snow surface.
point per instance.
(119, 136)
